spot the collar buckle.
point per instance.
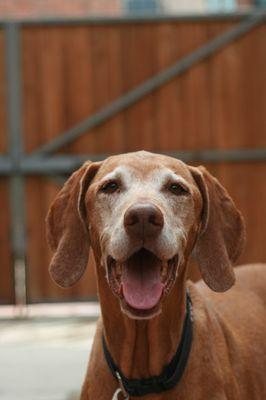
(117, 393)
(121, 386)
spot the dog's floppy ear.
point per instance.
(67, 233)
(222, 234)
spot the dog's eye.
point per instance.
(178, 189)
(110, 187)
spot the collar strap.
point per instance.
(171, 373)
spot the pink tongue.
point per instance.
(141, 283)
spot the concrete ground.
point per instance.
(44, 358)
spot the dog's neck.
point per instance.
(141, 348)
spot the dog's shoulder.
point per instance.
(239, 313)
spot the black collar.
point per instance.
(171, 373)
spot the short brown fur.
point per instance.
(228, 356)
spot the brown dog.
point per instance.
(144, 214)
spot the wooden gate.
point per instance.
(191, 87)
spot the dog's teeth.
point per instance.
(164, 269)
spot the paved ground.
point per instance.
(44, 358)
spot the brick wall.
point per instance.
(77, 8)
(68, 8)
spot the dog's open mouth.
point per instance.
(141, 281)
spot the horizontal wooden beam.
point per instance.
(66, 164)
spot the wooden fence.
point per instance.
(70, 72)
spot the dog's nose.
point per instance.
(143, 219)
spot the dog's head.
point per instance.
(143, 214)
